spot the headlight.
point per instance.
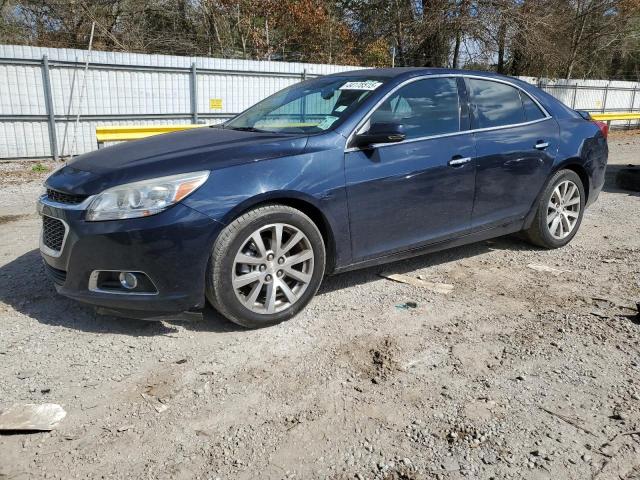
(141, 199)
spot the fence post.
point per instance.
(575, 93)
(48, 101)
(194, 93)
(606, 94)
(303, 105)
(633, 102)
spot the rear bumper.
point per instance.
(172, 248)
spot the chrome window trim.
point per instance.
(444, 135)
(365, 119)
(49, 251)
(93, 284)
(44, 200)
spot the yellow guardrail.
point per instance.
(610, 117)
(123, 133)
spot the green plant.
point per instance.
(39, 168)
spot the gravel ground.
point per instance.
(515, 374)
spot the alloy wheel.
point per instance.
(563, 210)
(272, 268)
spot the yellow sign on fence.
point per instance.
(215, 103)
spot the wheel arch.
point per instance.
(576, 165)
(573, 164)
(301, 202)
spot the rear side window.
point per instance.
(494, 104)
(425, 108)
(531, 110)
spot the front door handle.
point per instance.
(542, 145)
(459, 161)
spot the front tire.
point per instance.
(265, 266)
(559, 212)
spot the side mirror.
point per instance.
(381, 133)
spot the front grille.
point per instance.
(52, 233)
(58, 276)
(61, 197)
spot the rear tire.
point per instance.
(559, 211)
(265, 266)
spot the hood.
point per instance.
(169, 154)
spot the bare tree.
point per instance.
(554, 38)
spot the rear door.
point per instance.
(420, 190)
(516, 142)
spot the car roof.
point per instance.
(399, 74)
(415, 71)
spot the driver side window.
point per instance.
(424, 107)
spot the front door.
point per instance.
(418, 191)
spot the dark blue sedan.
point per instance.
(336, 173)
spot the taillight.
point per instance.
(604, 128)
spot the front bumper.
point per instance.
(172, 248)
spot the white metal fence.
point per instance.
(596, 96)
(41, 88)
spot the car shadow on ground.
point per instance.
(27, 289)
(610, 185)
(359, 277)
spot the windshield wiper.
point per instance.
(248, 129)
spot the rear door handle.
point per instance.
(542, 145)
(459, 161)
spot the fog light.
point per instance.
(128, 280)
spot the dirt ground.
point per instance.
(516, 374)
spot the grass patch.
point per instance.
(39, 168)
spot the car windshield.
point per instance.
(309, 107)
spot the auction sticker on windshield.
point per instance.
(361, 85)
(327, 122)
